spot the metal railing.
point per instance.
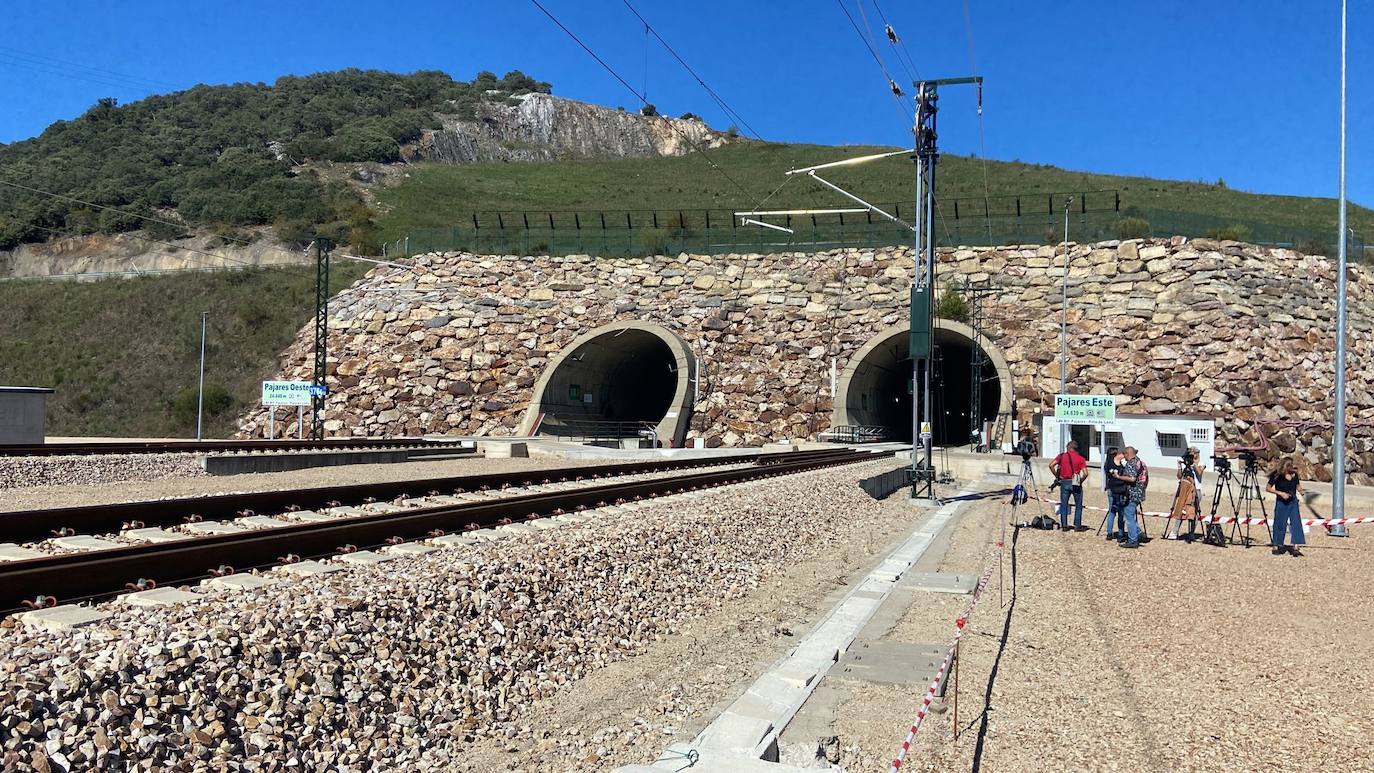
(593, 430)
(854, 433)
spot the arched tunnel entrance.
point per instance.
(620, 381)
(875, 390)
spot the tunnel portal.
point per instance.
(617, 382)
(876, 391)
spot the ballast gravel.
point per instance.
(409, 664)
(17, 472)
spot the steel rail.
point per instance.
(34, 525)
(95, 574)
(214, 446)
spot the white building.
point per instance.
(1159, 440)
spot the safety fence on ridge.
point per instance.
(998, 220)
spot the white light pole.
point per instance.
(1338, 461)
(1064, 326)
(200, 393)
(1064, 314)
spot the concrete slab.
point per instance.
(889, 662)
(483, 535)
(158, 597)
(520, 527)
(307, 568)
(12, 552)
(84, 543)
(940, 582)
(214, 527)
(797, 674)
(239, 582)
(382, 507)
(676, 758)
(347, 512)
(63, 618)
(567, 518)
(312, 516)
(262, 522)
(454, 541)
(735, 732)
(365, 558)
(154, 534)
(408, 549)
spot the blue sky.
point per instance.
(1200, 90)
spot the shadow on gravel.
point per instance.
(986, 714)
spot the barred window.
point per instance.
(1170, 441)
(1200, 434)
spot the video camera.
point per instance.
(1251, 461)
(1222, 463)
(1188, 458)
(1026, 448)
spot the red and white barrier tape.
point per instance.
(1232, 519)
(943, 670)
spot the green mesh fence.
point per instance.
(1033, 219)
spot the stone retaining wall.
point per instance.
(1197, 327)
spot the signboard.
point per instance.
(1085, 409)
(286, 392)
(318, 390)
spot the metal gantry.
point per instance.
(923, 284)
(322, 248)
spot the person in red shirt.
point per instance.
(1070, 469)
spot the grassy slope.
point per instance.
(119, 350)
(435, 195)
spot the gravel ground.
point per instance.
(1171, 657)
(199, 484)
(440, 662)
(24, 472)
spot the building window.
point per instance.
(1170, 441)
(1200, 434)
(1114, 440)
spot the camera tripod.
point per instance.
(1024, 489)
(1249, 497)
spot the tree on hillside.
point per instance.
(226, 156)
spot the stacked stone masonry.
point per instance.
(1240, 332)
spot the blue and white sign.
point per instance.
(286, 392)
(318, 390)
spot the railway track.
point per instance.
(99, 573)
(224, 446)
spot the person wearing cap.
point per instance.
(1070, 469)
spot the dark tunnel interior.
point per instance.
(622, 376)
(880, 391)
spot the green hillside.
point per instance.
(225, 157)
(436, 196)
(123, 354)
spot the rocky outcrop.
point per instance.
(1240, 332)
(541, 127)
(130, 253)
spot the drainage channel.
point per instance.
(744, 737)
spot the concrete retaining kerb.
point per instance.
(745, 735)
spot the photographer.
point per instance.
(1188, 497)
(1070, 469)
(1286, 487)
(1136, 476)
(1118, 491)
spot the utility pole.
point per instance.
(1064, 325)
(923, 283)
(1338, 440)
(200, 392)
(322, 247)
